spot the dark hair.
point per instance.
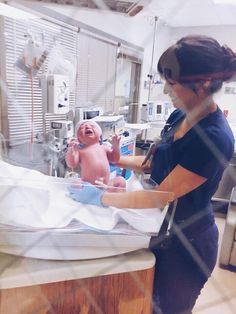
(197, 59)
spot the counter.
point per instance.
(120, 284)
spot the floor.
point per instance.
(219, 294)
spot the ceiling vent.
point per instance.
(127, 7)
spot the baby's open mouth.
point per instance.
(88, 132)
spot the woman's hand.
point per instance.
(86, 193)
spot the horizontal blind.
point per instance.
(96, 72)
(19, 98)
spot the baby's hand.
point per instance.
(73, 151)
(115, 140)
(73, 144)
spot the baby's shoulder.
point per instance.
(107, 146)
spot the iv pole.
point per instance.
(150, 76)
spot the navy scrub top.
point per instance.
(205, 150)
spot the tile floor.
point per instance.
(219, 294)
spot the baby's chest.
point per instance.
(94, 155)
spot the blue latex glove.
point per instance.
(87, 194)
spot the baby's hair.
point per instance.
(198, 58)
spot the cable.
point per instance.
(152, 58)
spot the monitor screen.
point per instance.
(91, 114)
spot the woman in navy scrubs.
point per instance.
(197, 144)
(196, 147)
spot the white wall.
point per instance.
(138, 30)
(162, 41)
(225, 35)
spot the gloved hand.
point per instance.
(86, 194)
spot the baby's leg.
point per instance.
(118, 184)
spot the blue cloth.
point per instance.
(87, 194)
(179, 278)
(205, 150)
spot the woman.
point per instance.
(196, 146)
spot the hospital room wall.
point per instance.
(138, 30)
(225, 35)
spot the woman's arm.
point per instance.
(88, 193)
(181, 181)
(137, 199)
(178, 183)
(131, 162)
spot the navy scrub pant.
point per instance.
(178, 277)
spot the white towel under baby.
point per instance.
(31, 199)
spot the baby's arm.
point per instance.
(114, 154)
(72, 155)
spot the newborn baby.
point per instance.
(93, 157)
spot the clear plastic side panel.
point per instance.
(40, 213)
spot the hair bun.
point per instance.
(232, 64)
(228, 51)
(229, 58)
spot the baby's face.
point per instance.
(88, 133)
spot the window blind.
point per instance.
(18, 96)
(96, 72)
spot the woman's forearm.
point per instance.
(137, 199)
(131, 162)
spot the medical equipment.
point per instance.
(127, 145)
(78, 114)
(91, 113)
(85, 113)
(155, 111)
(62, 129)
(33, 56)
(58, 93)
(60, 135)
(110, 125)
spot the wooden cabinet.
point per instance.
(123, 293)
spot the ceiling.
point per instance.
(175, 13)
(183, 13)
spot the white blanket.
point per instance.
(29, 198)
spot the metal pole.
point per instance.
(152, 58)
